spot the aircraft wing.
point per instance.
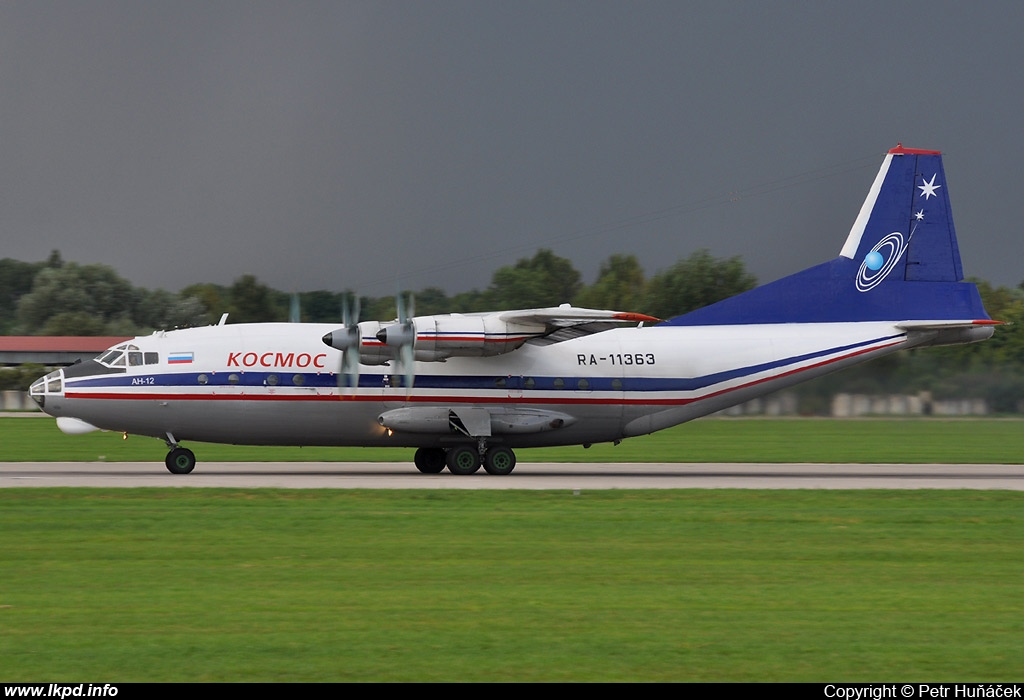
(565, 315)
(436, 338)
(565, 322)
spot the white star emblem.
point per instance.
(919, 215)
(928, 188)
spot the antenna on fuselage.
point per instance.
(223, 319)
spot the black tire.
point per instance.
(499, 461)
(430, 460)
(180, 460)
(463, 460)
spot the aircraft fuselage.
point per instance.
(277, 384)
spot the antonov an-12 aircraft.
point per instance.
(467, 389)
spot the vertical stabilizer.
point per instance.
(900, 261)
(905, 228)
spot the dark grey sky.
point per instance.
(371, 145)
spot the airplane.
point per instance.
(466, 390)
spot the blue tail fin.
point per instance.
(900, 261)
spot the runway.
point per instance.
(527, 476)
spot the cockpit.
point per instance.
(113, 361)
(127, 355)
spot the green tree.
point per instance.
(159, 309)
(470, 302)
(15, 282)
(75, 323)
(432, 300)
(214, 298)
(694, 282)
(620, 285)
(540, 281)
(20, 377)
(55, 259)
(251, 301)
(320, 306)
(76, 292)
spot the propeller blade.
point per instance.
(402, 337)
(349, 376)
(406, 367)
(347, 339)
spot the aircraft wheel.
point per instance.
(499, 461)
(180, 461)
(430, 460)
(463, 460)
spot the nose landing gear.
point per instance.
(180, 460)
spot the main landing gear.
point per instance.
(466, 459)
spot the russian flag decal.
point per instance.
(179, 358)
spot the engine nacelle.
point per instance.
(457, 335)
(436, 338)
(371, 350)
(440, 420)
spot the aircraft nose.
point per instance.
(36, 392)
(50, 385)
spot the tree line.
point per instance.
(54, 297)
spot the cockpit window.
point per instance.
(121, 356)
(108, 357)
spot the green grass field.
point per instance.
(268, 585)
(183, 584)
(968, 441)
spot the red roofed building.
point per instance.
(53, 351)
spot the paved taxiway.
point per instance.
(534, 476)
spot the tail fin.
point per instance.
(900, 261)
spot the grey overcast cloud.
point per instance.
(378, 145)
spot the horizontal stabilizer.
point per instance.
(945, 325)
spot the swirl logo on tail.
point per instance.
(880, 261)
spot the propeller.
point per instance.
(402, 337)
(347, 340)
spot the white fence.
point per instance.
(854, 405)
(13, 400)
